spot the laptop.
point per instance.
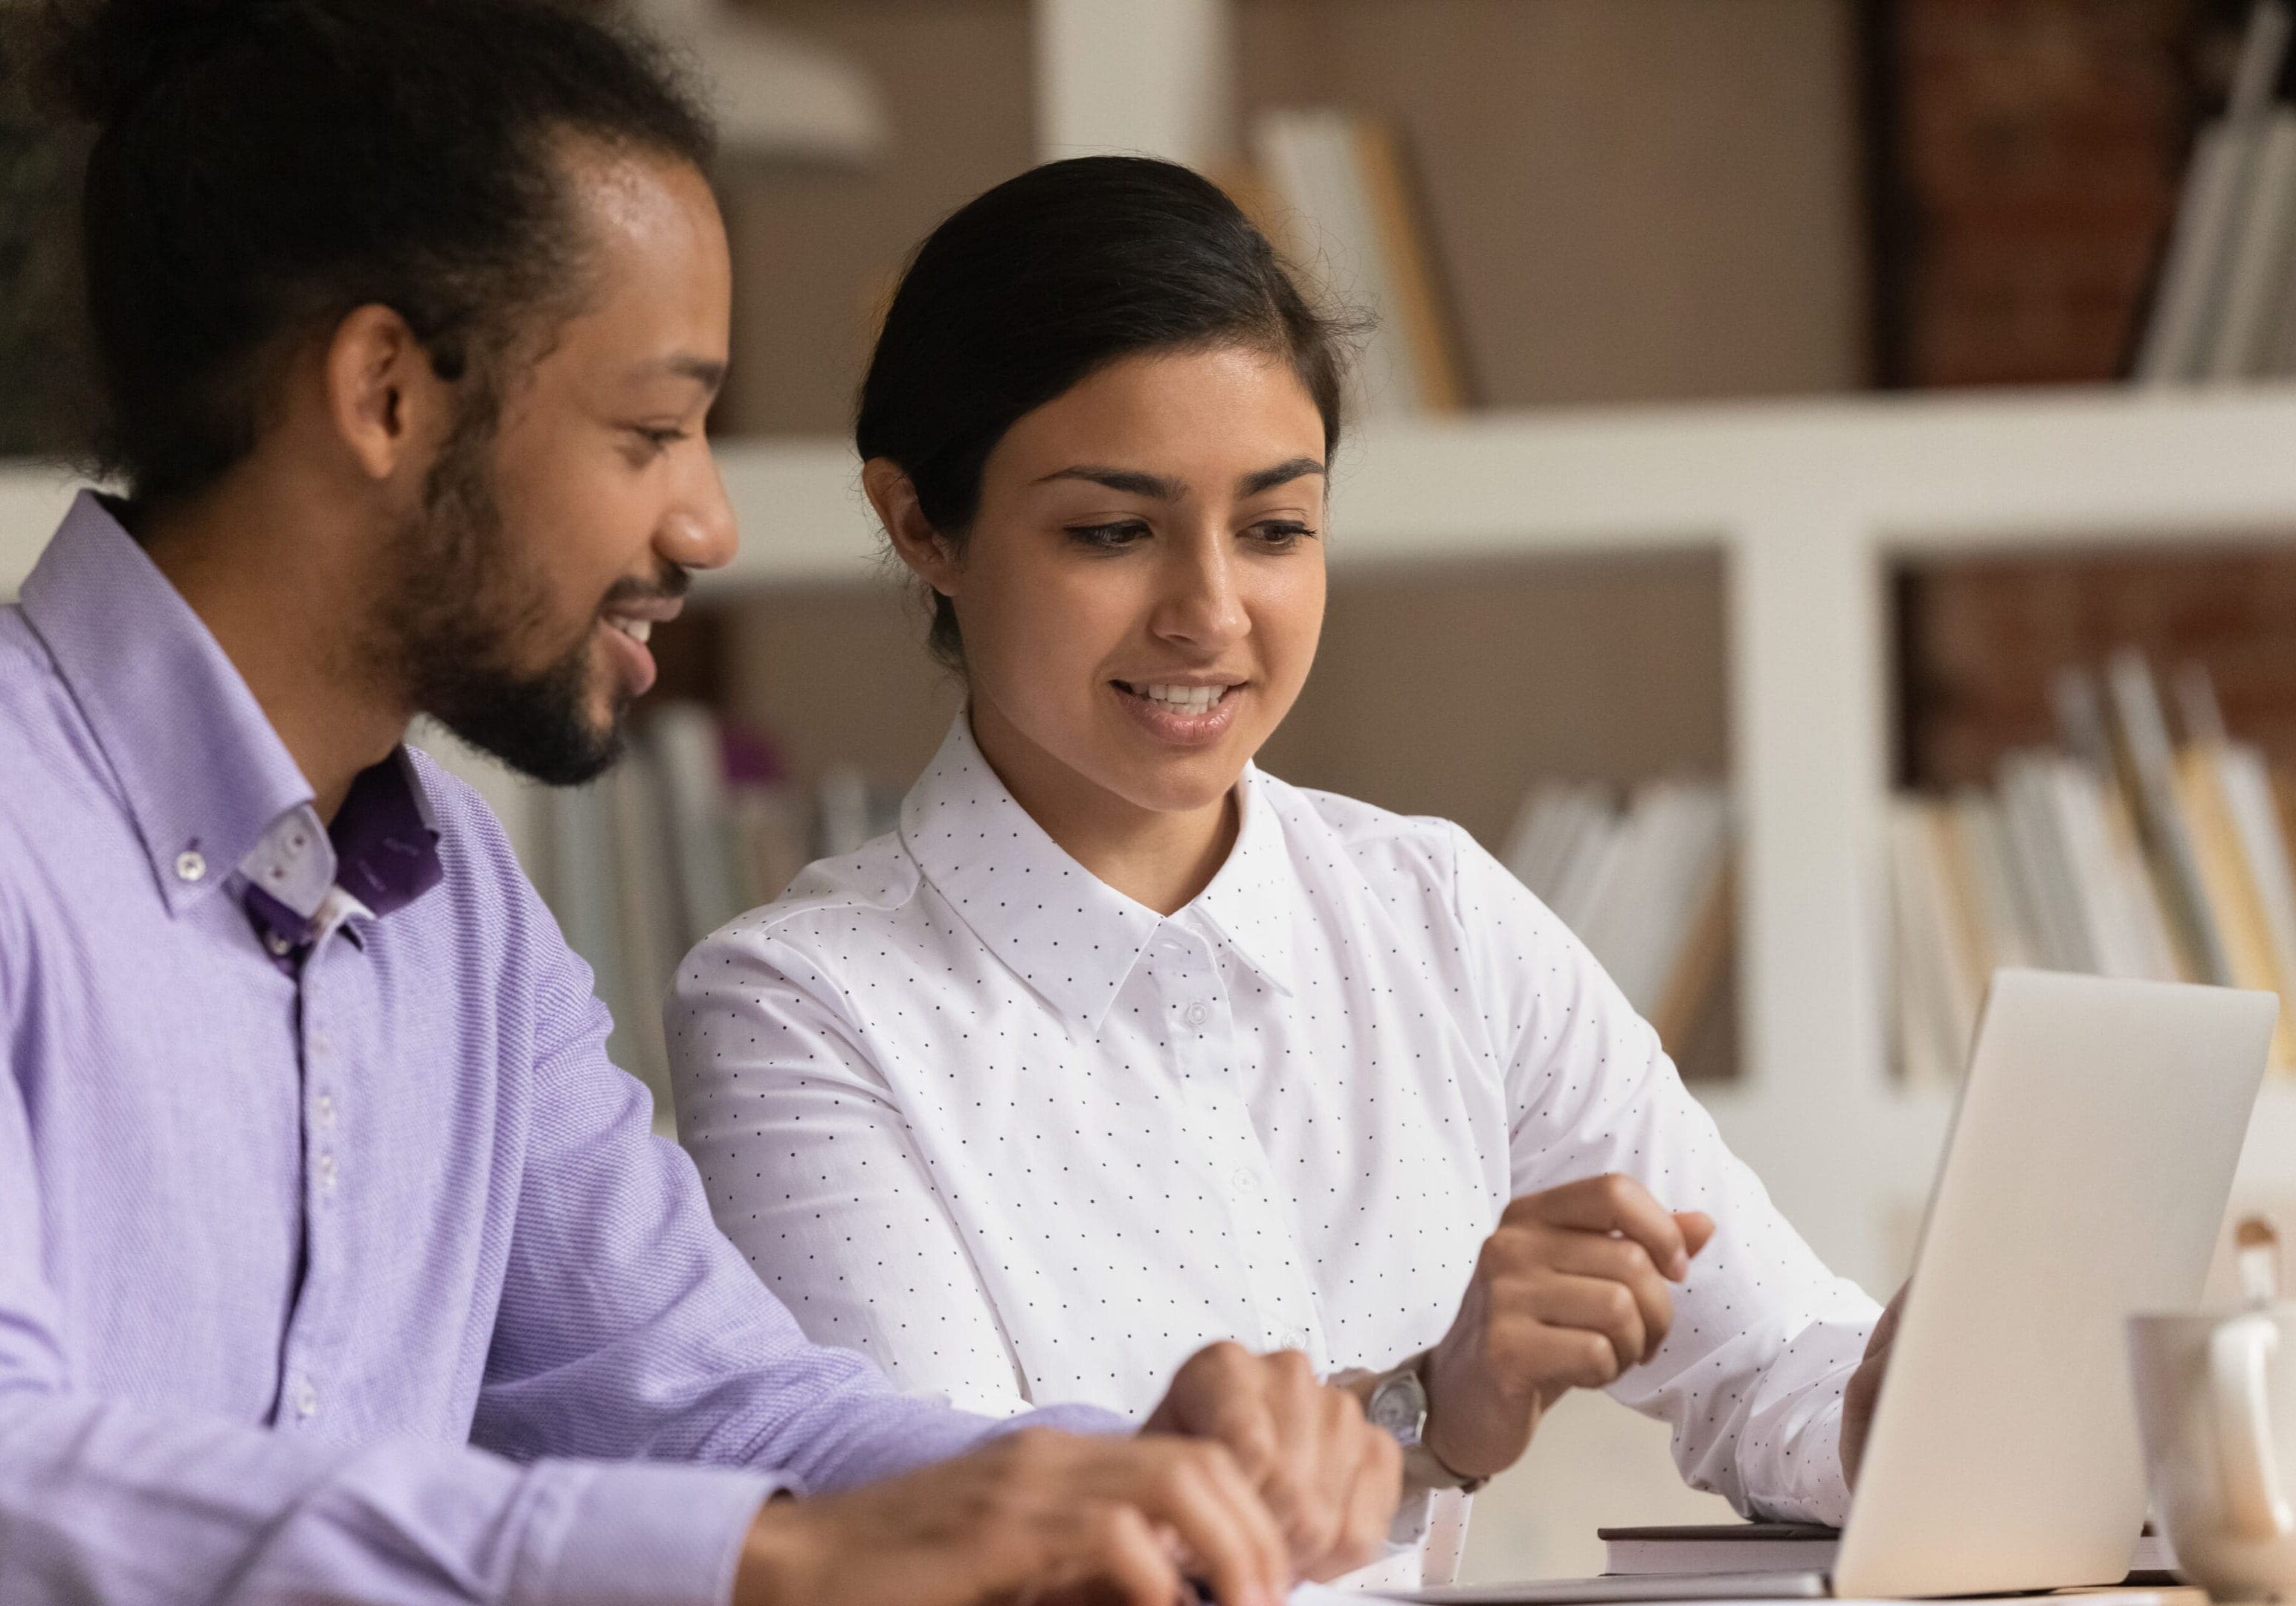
(2087, 1172)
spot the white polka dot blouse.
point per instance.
(968, 1108)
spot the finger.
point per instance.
(1232, 1541)
(1595, 1304)
(1299, 1484)
(1121, 1549)
(1885, 1329)
(1697, 1230)
(1567, 1357)
(1341, 1439)
(1374, 1487)
(1624, 1262)
(1613, 1203)
(1205, 1384)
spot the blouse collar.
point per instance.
(1003, 873)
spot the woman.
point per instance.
(1118, 1044)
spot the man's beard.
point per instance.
(456, 608)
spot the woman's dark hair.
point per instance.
(1044, 280)
(261, 168)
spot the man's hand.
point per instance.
(1863, 1391)
(1035, 1516)
(1331, 1478)
(1569, 1293)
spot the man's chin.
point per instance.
(542, 738)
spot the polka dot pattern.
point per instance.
(966, 1107)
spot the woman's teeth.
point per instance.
(1191, 700)
(638, 630)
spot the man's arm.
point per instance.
(629, 1326)
(102, 1500)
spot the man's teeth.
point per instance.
(638, 630)
(1192, 699)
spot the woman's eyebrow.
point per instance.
(1131, 481)
(1282, 473)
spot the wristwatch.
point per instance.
(1397, 1401)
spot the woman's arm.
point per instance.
(812, 1172)
(1763, 1337)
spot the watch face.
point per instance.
(1400, 1407)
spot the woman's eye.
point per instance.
(1278, 534)
(1109, 538)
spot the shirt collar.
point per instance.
(1256, 901)
(207, 781)
(1019, 890)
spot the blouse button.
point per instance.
(1197, 1014)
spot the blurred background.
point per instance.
(1827, 512)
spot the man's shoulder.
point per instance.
(485, 891)
(55, 771)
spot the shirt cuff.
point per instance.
(643, 1534)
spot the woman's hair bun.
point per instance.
(103, 56)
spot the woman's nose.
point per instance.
(1201, 603)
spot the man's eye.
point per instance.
(1109, 538)
(657, 440)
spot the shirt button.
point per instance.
(305, 1399)
(324, 1106)
(279, 946)
(1197, 1014)
(326, 1173)
(191, 864)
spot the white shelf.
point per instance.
(775, 95)
(1809, 504)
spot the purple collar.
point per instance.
(202, 773)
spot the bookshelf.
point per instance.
(1809, 507)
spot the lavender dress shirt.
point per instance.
(337, 1263)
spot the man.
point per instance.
(335, 1260)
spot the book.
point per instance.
(1774, 1547)
(1644, 881)
(2263, 249)
(1343, 207)
(2214, 212)
(2127, 853)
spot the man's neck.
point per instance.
(273, 580)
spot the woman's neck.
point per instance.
(1159, 857)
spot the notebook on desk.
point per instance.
(1780, 1548)
(2004, 1455)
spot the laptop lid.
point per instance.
(2090, 1162)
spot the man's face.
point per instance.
(549, 544)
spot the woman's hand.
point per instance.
(1330, 1478)
(1863, 1391)
(1568, 1293)
(1035, 1516)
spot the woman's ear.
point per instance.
(915, 542)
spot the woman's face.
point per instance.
(1143, 589)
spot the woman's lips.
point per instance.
(1184, 716)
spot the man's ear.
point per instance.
(385, 402)
(923, 549)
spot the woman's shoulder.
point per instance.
(1365, 834)
(834, 903)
